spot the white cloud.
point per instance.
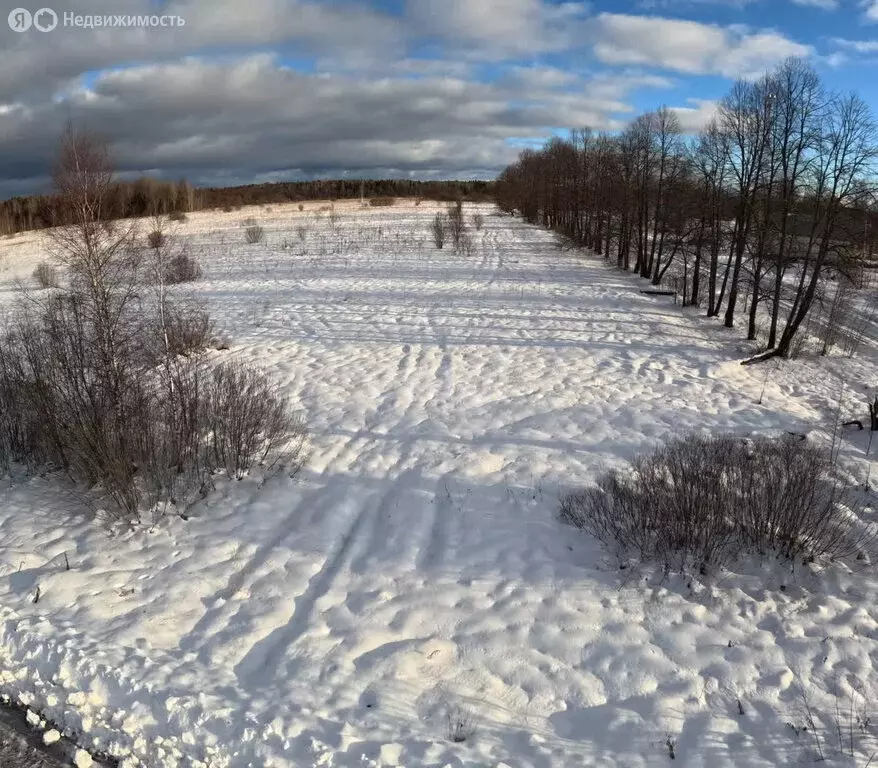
(498, 28)
(689, 46)
(349, 33)
(696, 115)
(826, 5)
(856, 46)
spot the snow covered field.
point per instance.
(412, 585)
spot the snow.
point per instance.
(51, 736)
(82, 759)
(412, 583)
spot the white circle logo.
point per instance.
(20, 20)
(45, 19)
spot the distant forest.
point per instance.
(148, 196)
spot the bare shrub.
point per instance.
(182, 267)
(460, 724)
(227, 209)
(169, 262)
(177, 216)
(456, 224)
(478, 221)
(467, 245)
(438, 230)
(704, 500)
(155, 439)
(382, 202)
(254, 234)
(188, 329)
(173, 471)
(46, 275)
(23, 431)
(301, 207)
(90, 406)
(837, 724)
(156, 239)
(248, 420)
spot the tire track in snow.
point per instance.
(258, 667)
(414, 402)
(212, 622)
(379, 541)
(433, 553)
(405, 369)
(443, 376)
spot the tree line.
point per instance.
(150, 197)
(774, 195)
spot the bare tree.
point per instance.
(798, 108)
(744, 116)
(848, 148)
(456, 224)
(773, 196)
(438, 230)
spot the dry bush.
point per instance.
(456, 224)
(168, 262)
(46, 275)
(229, 417)
(382, 202)
(460, 725)
(227, 209)
(837, 725)
(177, 216)
(181, 267)
(82, 393)
(156, 239)
(478, 221)
(248, 421)
(704, 500)
(148, 436)
(438, 230)
(254, 234)
(467, 245)
(23, 437)
(301, 206)
(188, 329)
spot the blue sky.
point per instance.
(282, 89)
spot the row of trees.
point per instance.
(143, 197)
(750, 215)
(148, 197)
